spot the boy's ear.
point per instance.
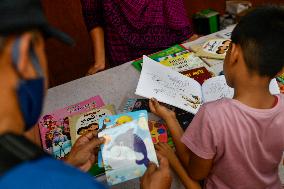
(23, 64)
(234, 54)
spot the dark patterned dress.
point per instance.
(136, 27)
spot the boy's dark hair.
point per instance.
(261, 36)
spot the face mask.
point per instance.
(30, 92)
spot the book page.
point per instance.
(273, 87)
(168, 86)
(216, 88)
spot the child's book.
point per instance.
(113, 121)
(135, 104)
(88, 121)
(54, 126)
(199, 74)
(280, 81)
(173, 88)
(182, 61)
(159, 55)
(128, 150)
(158, 132)
(213, 48)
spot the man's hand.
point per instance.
(161, 110)
(84, 151)
(96, 68)
(157, 177)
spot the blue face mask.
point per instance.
(30, 92)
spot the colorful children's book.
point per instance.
(114, 121)
(85, 122)
(199, 74)
(128, 149)
(157, 56)
(158, 132)
(213, 48)
(182, 61)
(280, 81)
(173, 88)
(134, 104)
(54, 126)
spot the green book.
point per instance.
(172, 50)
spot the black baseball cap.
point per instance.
(22, 15)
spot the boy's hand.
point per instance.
(157, 177)
(161, 110)
(84, 151)
(165, 150)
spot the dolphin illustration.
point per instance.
(131, 140)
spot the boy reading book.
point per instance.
(238, 143)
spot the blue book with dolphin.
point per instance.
(128, 149)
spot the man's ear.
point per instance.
(23, 64)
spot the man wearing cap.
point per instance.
(23, 82)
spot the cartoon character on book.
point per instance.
(225, 46)
(158, 132)
(90, 127)
(50, 124)
(125, 147)
(61, 143)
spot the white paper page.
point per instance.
(168, 86)
(273, 87)
(216, 88)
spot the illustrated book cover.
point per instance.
(280, 80)
(157, 56)
(135, 104)
(54, 126)
(88, 121)
(128, 150)
(213, 48)
(158, 132)
(175, 89)
(182, 61)
(199, 74)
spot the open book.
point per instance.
(171, 87)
